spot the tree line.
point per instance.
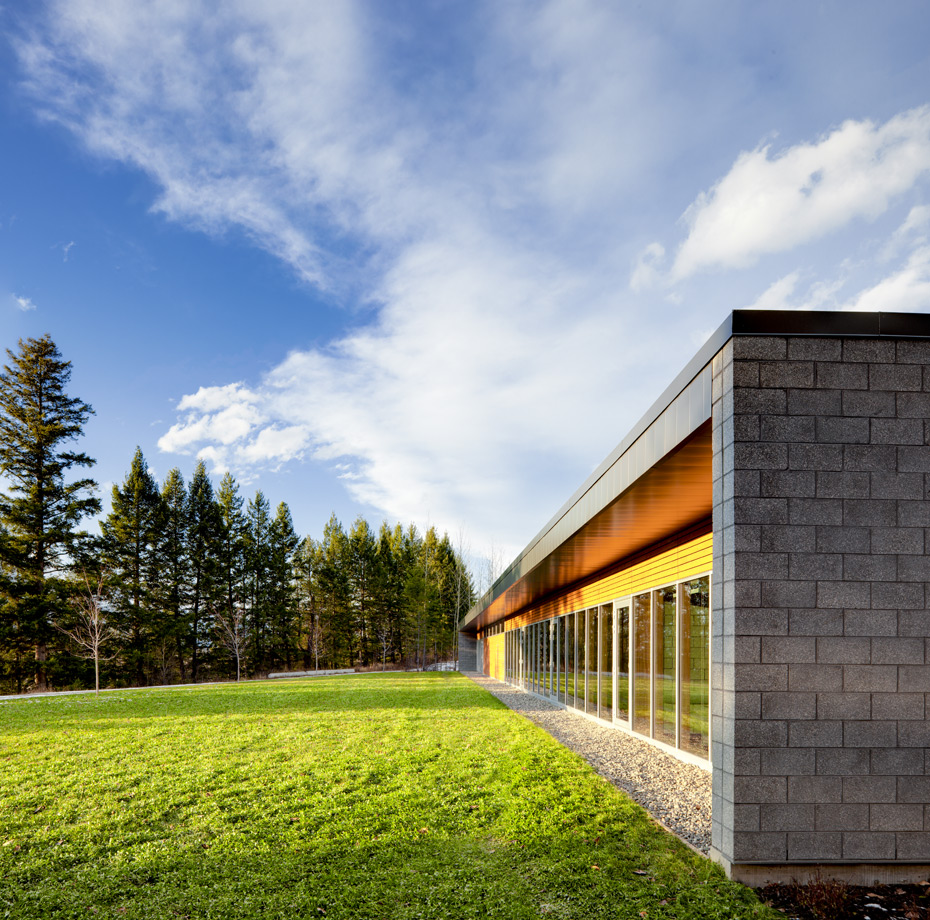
(185, 582)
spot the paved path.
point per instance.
(677, 794)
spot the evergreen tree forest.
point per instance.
(185, 582)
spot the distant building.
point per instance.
(744, 583)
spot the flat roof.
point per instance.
(561, 554)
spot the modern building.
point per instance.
(743, 583)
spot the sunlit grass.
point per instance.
(378, 796)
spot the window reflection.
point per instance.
(695, 665)
(663, 693)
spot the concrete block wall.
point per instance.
(468, 652)
(821, 635)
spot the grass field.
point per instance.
(401, 796)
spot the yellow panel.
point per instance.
(495, 656)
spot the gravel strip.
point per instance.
(676, 793)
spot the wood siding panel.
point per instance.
(495, 656)
(680, 557)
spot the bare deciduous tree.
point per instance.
(231, 631)
(91, 631)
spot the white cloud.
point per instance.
(906, 290)
(646, 272)
(23, 303)
(768, 204)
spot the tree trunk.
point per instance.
(41, 677)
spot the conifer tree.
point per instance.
(130, 536)
(203, 538)
(174, 578)
(283, 542)
(230, 561)
(258, 563)
(41, 512)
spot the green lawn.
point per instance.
(402, 796)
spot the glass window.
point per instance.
(623, 661)
(570, 660)
(606, 663)
(642, 665)
(544, 645)
(695, 665)
(591, 695)
(666, 716)
(579, 659)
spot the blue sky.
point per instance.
(430, 261)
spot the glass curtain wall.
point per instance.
(570, 655)
(642, 665)
(663, 694)
(591, 643)
(605, 668)
(580, 629)
(623, 662)
(694, 664)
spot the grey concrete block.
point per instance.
(747, 705)
(762, 455)
(870, 790)
(760, 565)
(913, 846)
(869, 404)
(789, 705)
(869, 512)
(788, 649)
(759, 348)
(868, 846)
(799, 538)
(760, 510)
(839, 376)
(913, 405)
(788, 594)
(759, 846)
(843, 539)
(783, 817)
(897, 705)
(746, 593)
(745, 428)
(913, 459)
(746, 483)
(897, 762)
(815, 622)
(896, 431)
(804, 348)
(871, 350)
(786, 373)
(789, 428)
(815, 402)
(748, 790)
(913, 734)
(871, 734)
(761, 622)
(869, 457)
(913, 623)
(898, 650)
(914, 514)
(897, 540)
(817, 678)
(815, 456)
(896, 377)
(761, 677)
(817, 733)
(759, 401)
(819, 846)
(790, 483)
(861, 567)
(870, 678)
(896, 818)
(746, 650)
(746, 762)
(913, 789)
(847, 595)
(897, 485)
(844, 705)
(844, 817)
(814, 789)
(794, 763)
(815, 566)
(842, 485)
(844, 650)
(842, 762)
(870, 622)
(746, 374)
(746, 817)
(912, 352)
(898, 596)
(822, 511)
(838, 429)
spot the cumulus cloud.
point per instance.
(23, 303)
(770, 203)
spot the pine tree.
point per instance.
(283, 542)
(230, 556)
(130, 536)
(40, 515)
(173, 567)
(203, 537)
(258, 563)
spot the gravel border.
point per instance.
(677, 794)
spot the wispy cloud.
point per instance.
(23, 303)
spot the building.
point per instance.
(744, 583)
